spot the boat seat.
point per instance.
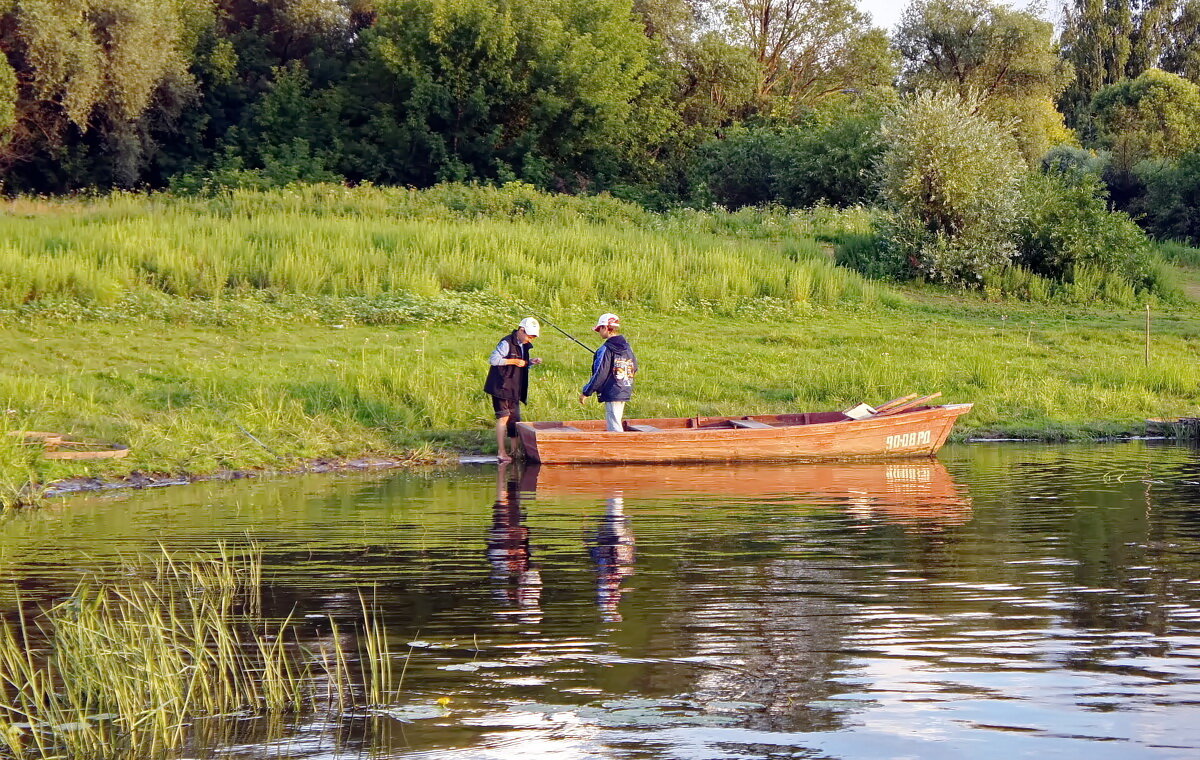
(751, 424)
(642, 428)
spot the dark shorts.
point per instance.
(508, 408)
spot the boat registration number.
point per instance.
(904, 440)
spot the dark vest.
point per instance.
(509, 381)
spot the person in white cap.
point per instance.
(508, 381)
(613, 369)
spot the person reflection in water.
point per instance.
(518, 581)
(613, 555)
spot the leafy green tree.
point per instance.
(1181, 48)
(8, 100)
(831, 156)
(806, 50)
(831, 160)
(1096, 40)
(274, 82)
(1156, 115)
(1110, 40)
(1003, 57)
(951, 180)
(714, 80)
(545, 91)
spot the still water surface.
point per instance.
(1003, 601)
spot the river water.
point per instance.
(1002, 601)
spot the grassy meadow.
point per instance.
(263, 329)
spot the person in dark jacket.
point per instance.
(508, 381)
(613, 369)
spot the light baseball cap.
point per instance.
(531, 326)
(607, 320)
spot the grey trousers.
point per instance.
(614, 411)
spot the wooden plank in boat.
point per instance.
(751, 424)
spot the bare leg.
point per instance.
(501, 434)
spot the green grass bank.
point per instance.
(329, 322)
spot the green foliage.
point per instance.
(806, 51)
(871, 256)
(1097, 41)
(951, 179)
(1004, 57)
(8, 100)
(1179, 253)
(797, 166)
(1173, 197)
(1073, 163)
(94, 65)
(535, 91)
(1181, 48)
(1067, 233)
(1156, 115)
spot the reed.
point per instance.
(145, 665)
(371, 242)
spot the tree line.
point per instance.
(659, 101)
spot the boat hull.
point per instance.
(914, 433)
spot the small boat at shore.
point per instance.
(905, 427)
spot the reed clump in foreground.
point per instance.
(172, 656)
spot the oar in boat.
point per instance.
(895, 402)
(910, 404)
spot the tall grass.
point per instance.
(338, 242)
(141, 666)
(1179, 253)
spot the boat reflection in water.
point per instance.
(517, 582)
(919, 494)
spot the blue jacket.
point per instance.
(613, 369)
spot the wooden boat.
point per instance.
(893, 430)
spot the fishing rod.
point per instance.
(591, 351)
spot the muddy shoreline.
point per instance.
(141, 480)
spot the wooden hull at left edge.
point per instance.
(824, 436)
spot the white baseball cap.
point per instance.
(531, 327)
(607, 320)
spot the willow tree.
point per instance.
(951, 179)
(87, 66)
(1004, 58)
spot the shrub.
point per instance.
(1066, 225)
(1072, 162)
(1019, 282)
(795, 166)
(952, 181)
(1172, 204)
(870, 255)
